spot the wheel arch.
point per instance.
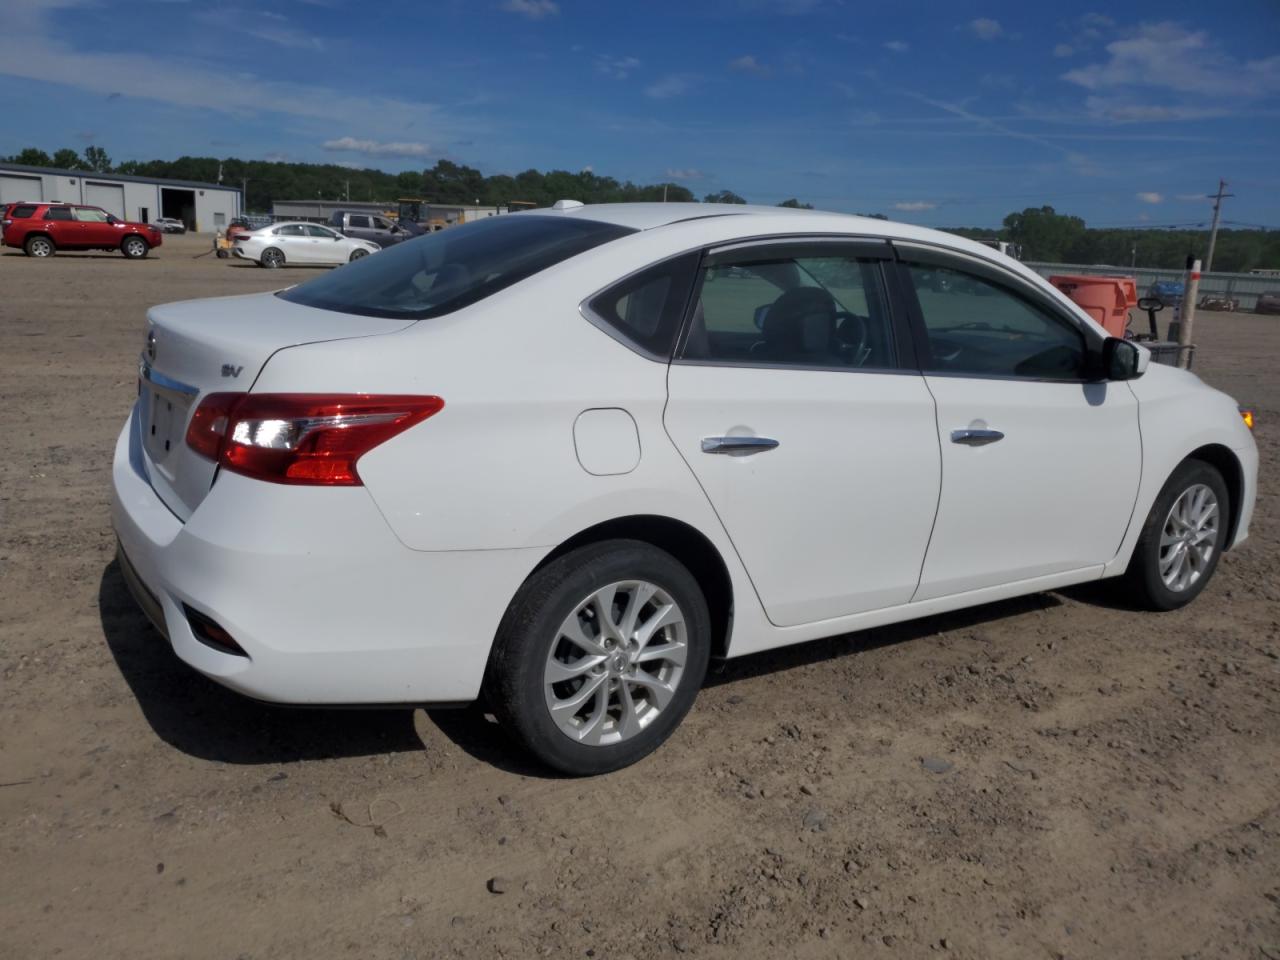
(684, 542)
(1226, 463)
(32, 234)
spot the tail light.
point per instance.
(302, 438)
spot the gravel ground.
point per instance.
(1055, 776)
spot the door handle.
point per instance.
(732, 445)
(976, 438)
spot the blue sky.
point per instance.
(941, 113)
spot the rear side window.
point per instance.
(22, 211)
(357, 221)
(441, 272)
(290, 230)
(645, 309)
(58, 213)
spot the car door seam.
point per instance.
(937, 507)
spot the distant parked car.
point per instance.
(1268, 302)
(42, 229)
(299, 243)
(368, 226)
(171, 225)
(1169, 292)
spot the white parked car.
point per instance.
(171, 225)
(299, 243)
(563, 458)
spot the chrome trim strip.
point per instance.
(167, 384)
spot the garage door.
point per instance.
(108, 196)
(13, 188)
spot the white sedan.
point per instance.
(561, 459)
(299, 243)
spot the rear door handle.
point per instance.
(976, 438)
(740, 445)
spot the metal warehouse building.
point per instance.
(201, 206)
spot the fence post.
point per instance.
(1190, 290)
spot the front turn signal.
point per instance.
(1246, 414)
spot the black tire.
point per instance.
(1143, 581)
(357, 255)
(39, 246)
(514, 680)
(135, 248)
(223, 255)
(271, 258)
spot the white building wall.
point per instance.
(215, 209)
(139, 197)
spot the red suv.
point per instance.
(42, 229)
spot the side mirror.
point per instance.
(1152, 304)
(1123, 359)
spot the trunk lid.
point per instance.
(199, 347)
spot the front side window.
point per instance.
(90, 215)
(442, 272)
(381, 224)
(320, 232)
(811, 311)
(975, 326)
(58, 213)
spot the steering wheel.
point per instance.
(851, 330)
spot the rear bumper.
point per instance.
(328, 605)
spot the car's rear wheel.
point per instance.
(1182, 539)
(39, 247)
(357, 255)
(271, 258)
(599, 656)
(135, 248)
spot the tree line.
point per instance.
(1043, 233)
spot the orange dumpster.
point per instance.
(1106, 299)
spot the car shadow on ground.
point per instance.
(205, 720)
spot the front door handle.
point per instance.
(738, 445)
(976, 438)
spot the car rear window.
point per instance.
(442, 272)
(22, 211)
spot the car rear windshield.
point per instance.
(445, 271)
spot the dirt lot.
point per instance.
(1109, 785)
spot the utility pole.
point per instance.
(664, 193)
(347, 184)
(1190, 291)
(1213, 231)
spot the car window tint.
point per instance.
(828, 311)
(441, 272)
(381, 224)
(645, 309)
(22, 211)
(358, 221)
(90, 215)
(320, 232)
(58, 213)
(290, 230)
(978, 327)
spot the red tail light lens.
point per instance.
(301, 438)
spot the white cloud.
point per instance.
(897, 46)
(588, 169)
(984, 28)
(1197, 197)
(533, 9)
(278, 32)
(1150, 196)
(914, 206)
(1167, 56)
(617, 67)
(669, 86)
(1063, 50)
(375, 148)
(276, 157)
(749, 64)
(1128, 111)
(684, 173)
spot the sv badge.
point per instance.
(229, 370)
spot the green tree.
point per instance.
(68, 159)
(723, 196)
(97, 159)
(1044, 233)
(31, 157)
(796, 204)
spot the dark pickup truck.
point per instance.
(370, 226)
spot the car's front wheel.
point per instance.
(357, 255)
(1182, 539)
(135, 248)
(600, 656)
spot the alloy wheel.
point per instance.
(1189, 537)
(616, 662)
(40, 247)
